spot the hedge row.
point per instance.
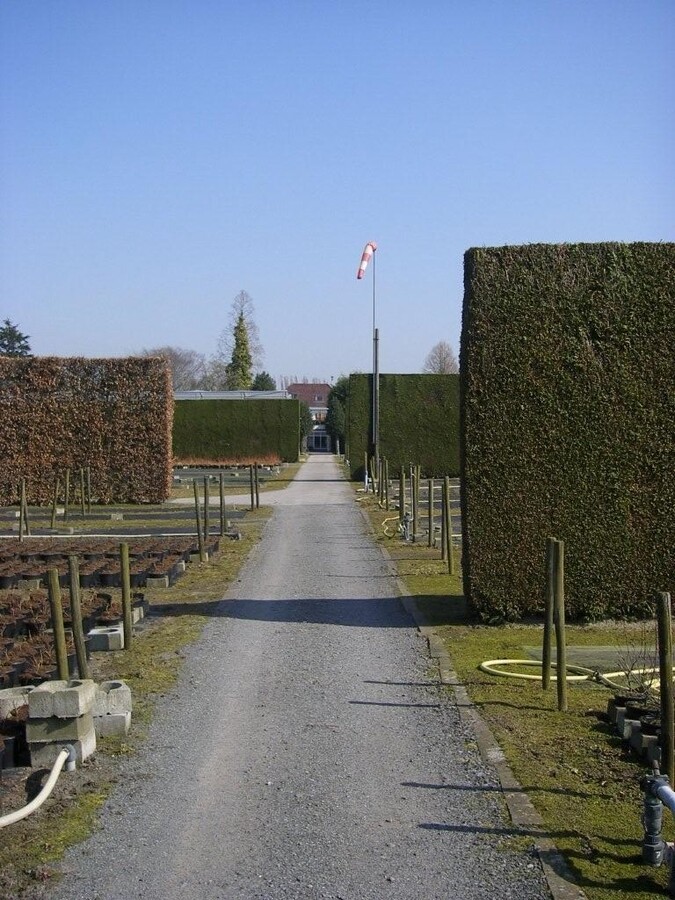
(419, 422)
(113, 415)
(568, 412)
(236, 431)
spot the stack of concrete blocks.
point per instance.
(112, 708)
(61, 713)
(13, 706)
(630, 730)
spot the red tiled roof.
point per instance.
(312, 394)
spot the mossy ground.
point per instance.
(577, 773)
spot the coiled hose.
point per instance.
(576, 673)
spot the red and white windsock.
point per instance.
(368, 251)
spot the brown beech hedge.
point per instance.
(113, 415)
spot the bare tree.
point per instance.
(441, 360)
(188, 367)
(242, 310)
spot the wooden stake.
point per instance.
(665, 637)
(88, 490)
(67, 496)
(76, 616)
(127, 622)
(222, 505)
(57, 624)
(252, 487)
(55, 503)
(82, 496)
(430, 510)
(22, 501)
(448, 525)
(401, 496)
(559, 621)
(257, 488)
(548, 614)
(207, 501)
(200, 537)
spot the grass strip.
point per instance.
(576, 771)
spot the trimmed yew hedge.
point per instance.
(236, 431)
(419, 422)
(113, 415)
(568, 425)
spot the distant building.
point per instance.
(315, 395)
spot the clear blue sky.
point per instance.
(159, 156)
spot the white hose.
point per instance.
(67, 754)
(578, 673)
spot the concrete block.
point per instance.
(653, 753)
(137, 613)
(106, 637)
(42, 756)
(43, 731)
(112, 697)
(626, 728)
(113, 723)
(12, 699)
(635, 738)
(156, 581)
(63, 699)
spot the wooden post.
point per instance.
(55, 503)
(76, 616)
(444, 524)
(386, 483)
(401, 496)
(22, 501)
(82, 497)
(25, 508)
(365, 471)
(448, 525)
(222, 505)
(257, 487)
(207, 501)
(252, 487)
(430, 510)
(57, 624)
(559, 621)
(665, 637)
(200, 537)
(127, 623)
(89, 490)
(66, 498)
(548, 614)
(414, 488)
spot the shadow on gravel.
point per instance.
(490, 788)
(361, 613)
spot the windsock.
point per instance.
(368, 251)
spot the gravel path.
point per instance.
(306, 752)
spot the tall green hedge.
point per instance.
(419, 422)
(236, 431)
(113, 415)
(568, 425)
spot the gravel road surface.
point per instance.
(307, 751)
